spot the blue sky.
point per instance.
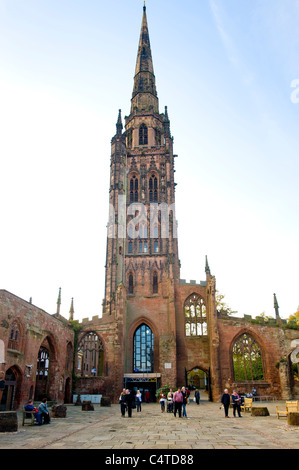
(224, 68)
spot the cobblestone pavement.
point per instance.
(205, 428)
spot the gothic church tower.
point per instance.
(142, 248)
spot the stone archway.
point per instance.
(198, 378)
(10, 399)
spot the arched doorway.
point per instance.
(198, 378)
(10, 397)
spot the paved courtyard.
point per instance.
(205, 428)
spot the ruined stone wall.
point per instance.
(35, 327)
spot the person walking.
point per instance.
(197, 396)
(138, 400)
(236, 404)
(162, 399)
(170, 401)
(123, 403)
(225, 400)
(185, 401)
(178, 402)
(129, 401)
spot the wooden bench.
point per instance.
(291, 406)
(247, 405)
(28, 416)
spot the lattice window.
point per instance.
(143, 360)
(247, 359)
(195, 316)
(143, 135)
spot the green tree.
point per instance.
(295, 317)
(222, 306)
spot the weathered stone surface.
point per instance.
(260, 411)
(293, 418)
(87, 406)
(8, 421)
(58, 411)
(105, 401)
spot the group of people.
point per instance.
(128, 400)
(176, 401)
(237, 401)
(41, 413)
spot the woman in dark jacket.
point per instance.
(225, 400)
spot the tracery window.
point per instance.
(247, 359)
(143, 135)
(153, 188)
(43, 362)
(90, 355)
(134, 189)
(14, 337)
(143, 360)
(195, 316)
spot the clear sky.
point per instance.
(228, 70)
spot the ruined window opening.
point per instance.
(247, 359)
(90, 355)
(195, 316)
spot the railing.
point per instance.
(264, 398)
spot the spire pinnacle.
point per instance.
(144, 95)
(119, 125)
(59, 301)
(276, 307)
(207, 269)
(72, 311)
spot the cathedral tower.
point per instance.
(142, 248)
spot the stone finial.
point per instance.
(276, 307)
(72, 311)
(207, 268)
(59, 301)
(119, 125)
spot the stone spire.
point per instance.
(59, 301)
(144, 96)
(119, 125)
(207, 268)
(72, 311)
(276, 307)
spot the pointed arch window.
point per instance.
(143, 135)
(153, 188)
(195, 316)
(143, 355)
(90, 355)
(247, 359)
(131, 284)
(14, 338)
(134, 192)
(155, 283)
